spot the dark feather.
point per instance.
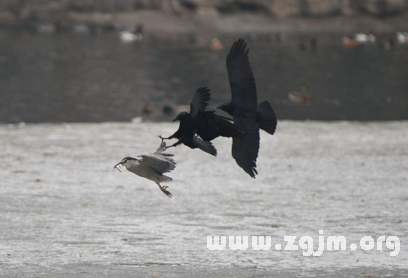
(241, 78)
(205, 146)
(210, 126)
(245, 150)
(200, 101)
(243, 107)
(266, 117)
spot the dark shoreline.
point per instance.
(158, 22)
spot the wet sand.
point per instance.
(65, 212)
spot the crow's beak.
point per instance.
(117, 166)
(175, 119)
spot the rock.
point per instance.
(323, 7)
(195, 4)
(82, 5)
(172, 6)
(347, 7)
(382, 7)
(13, 6)
(42, 10)
(252, 6)
(7, 18)
(107, 6)
(207, 12)
(149, 4)
(286, 8)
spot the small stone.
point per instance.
(323, 7)
(286, 8)
(382, 7)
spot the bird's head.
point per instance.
(127, 162)
(227, 107)
(181, 116)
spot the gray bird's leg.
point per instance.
(164, 190)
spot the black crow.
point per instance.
(247, 114)
(206, 124)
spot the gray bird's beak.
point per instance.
(117, 166)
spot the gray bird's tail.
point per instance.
(205, 146)
(164, 178)
(266, 117)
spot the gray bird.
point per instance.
(151, 166)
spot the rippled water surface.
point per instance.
(83, 78)
(70, 208)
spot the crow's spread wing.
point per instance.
(242, 81)
(200, 101)
(244, 98)
(245, 150)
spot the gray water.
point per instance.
(65, 212)
(83, 78)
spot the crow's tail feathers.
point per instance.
(205, 146)
(266, 117)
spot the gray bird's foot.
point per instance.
(165, 148)
(165, 191)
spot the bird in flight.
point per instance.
(151, 166)
(199, 127)
(247, 114)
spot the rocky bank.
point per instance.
(175, 14)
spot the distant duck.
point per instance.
(312, 45)
(80, 29)
(216, 45)
(402, 37)
(302, 97)
(364, 38)
(46, 28)
(147, 109)
(136, 35)
(349, 42)
(168, 109)
(388, 44)
(358, 39)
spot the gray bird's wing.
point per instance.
(200, 101)
(159, 163)
(241, 78)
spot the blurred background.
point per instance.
(117, 60)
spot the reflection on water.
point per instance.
(80, 78)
